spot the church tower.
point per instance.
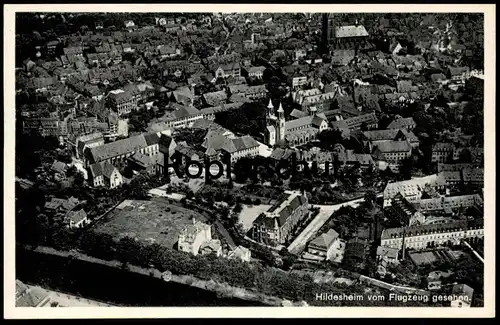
(280, 126)
(270, 131)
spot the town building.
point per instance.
(406, 212)
(77, 219)
(242, 253)
(275, 226)
(216, 142)
(424, 236)
(117, 152)
(213, 246)
(121, 101)
(412, 189)
(104, 174)
(393, 152)
(84, 142)
(322, 245)
(449, 204)
(403, 123)
(463, 296)
(193, 236)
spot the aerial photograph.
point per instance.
(200, 159)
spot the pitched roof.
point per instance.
(401, 123)
(77, 216)
(102, 169)
(423, 229)
(394, 146)
(285, 208)
(58, 166)
(120, 147)
(350, 31)
(378, 135)
(387, 251)
(463, 289)
(297, 113)
(325, 240)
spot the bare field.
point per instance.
(148, 221)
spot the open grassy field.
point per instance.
(147, 221)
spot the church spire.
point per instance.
(270, 105)
(280, 109)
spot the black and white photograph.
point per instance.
(258, 158)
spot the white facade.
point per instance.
(438, 238)
(193, 236)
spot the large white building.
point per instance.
(412, 189)
(422, 236)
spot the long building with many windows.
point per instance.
(423, 236)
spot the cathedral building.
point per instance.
(294, 132)
(275, 125)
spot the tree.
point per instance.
(370, 197)
(238, 208)
(78, 179)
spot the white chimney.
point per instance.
(194, 220)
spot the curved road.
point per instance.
(323, 216)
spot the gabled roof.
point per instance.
(350, 31)
(325, 240)
(394, 146)
(388, 252)
(77, 216)
(102, 169)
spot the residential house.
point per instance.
(458, 74)
(141, 162)
(368, 120)
(129, 24)
(321, 246)
(348, 159)
(183, 116)
(121, 101)
(405, 212)
(275, 225)
(105, 174)
(193, 236)
(59, 208)
(463, 295)
(59, 168)
(403, 123)
(241, 253)
(227, 70)
(386, 256)
(251, 92)
(256, 72)
(77, 219)
(442, 152)
(215, 98)
(298, 80)
(213, 246)
(392, 152)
